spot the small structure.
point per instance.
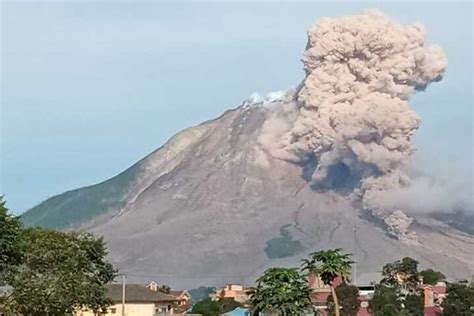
(236, 291)
(183, 296)
(139, 301)
(366, 293)
(321, 292)
(433, 297)
(239, 311)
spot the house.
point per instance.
(239, 311)
(433, 297)
(140, 300)
(321, 292)
(183, 297)
(366, 293)
(236, 291)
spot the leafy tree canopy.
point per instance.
(348, 300)
(460, 300)
(401, 273)
(58, 272)
(431, 276)
(10, 241)
(209, 307)
(228, 304)
(328, 264)
(385, 301)
(281, 290)
(200, 293)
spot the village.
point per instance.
(150, 300)
(236, 158)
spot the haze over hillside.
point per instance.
(280, 176)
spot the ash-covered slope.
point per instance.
(272, 180)
(216, 208)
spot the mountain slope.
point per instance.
(212, 206)
(270, 181)
(78, 206)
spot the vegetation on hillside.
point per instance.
(81, 205)
(283, 246)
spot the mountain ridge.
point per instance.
(215, 194)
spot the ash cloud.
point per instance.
(352, 109)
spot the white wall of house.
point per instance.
(131, 309)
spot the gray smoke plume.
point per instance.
(353, 111)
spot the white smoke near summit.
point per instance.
(352, 108)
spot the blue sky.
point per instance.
(88, 88)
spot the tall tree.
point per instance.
(431, 276)
(281, 290)
(10, 241)
(385, 301)
(413, 303)
(207, 307)
(401, 273)
(460, 300)
(328, 265)
(59, 272)
(399, 288)
(348, 296)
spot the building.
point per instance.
(139, 301)
(321, 292)
(366, 293)
(236, 291)
(433, 297)
(183, 297)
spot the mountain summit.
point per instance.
(276, 178)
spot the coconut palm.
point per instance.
(328, 265)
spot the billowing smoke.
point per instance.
(353, 112)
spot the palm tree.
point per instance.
(281, 291)
(328, 265)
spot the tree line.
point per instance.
(51, 272)
(285, 291)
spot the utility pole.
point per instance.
(354, 265)
(123, 294)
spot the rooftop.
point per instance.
(137, 293)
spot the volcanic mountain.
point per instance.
(276, 178)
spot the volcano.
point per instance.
(223, 201)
